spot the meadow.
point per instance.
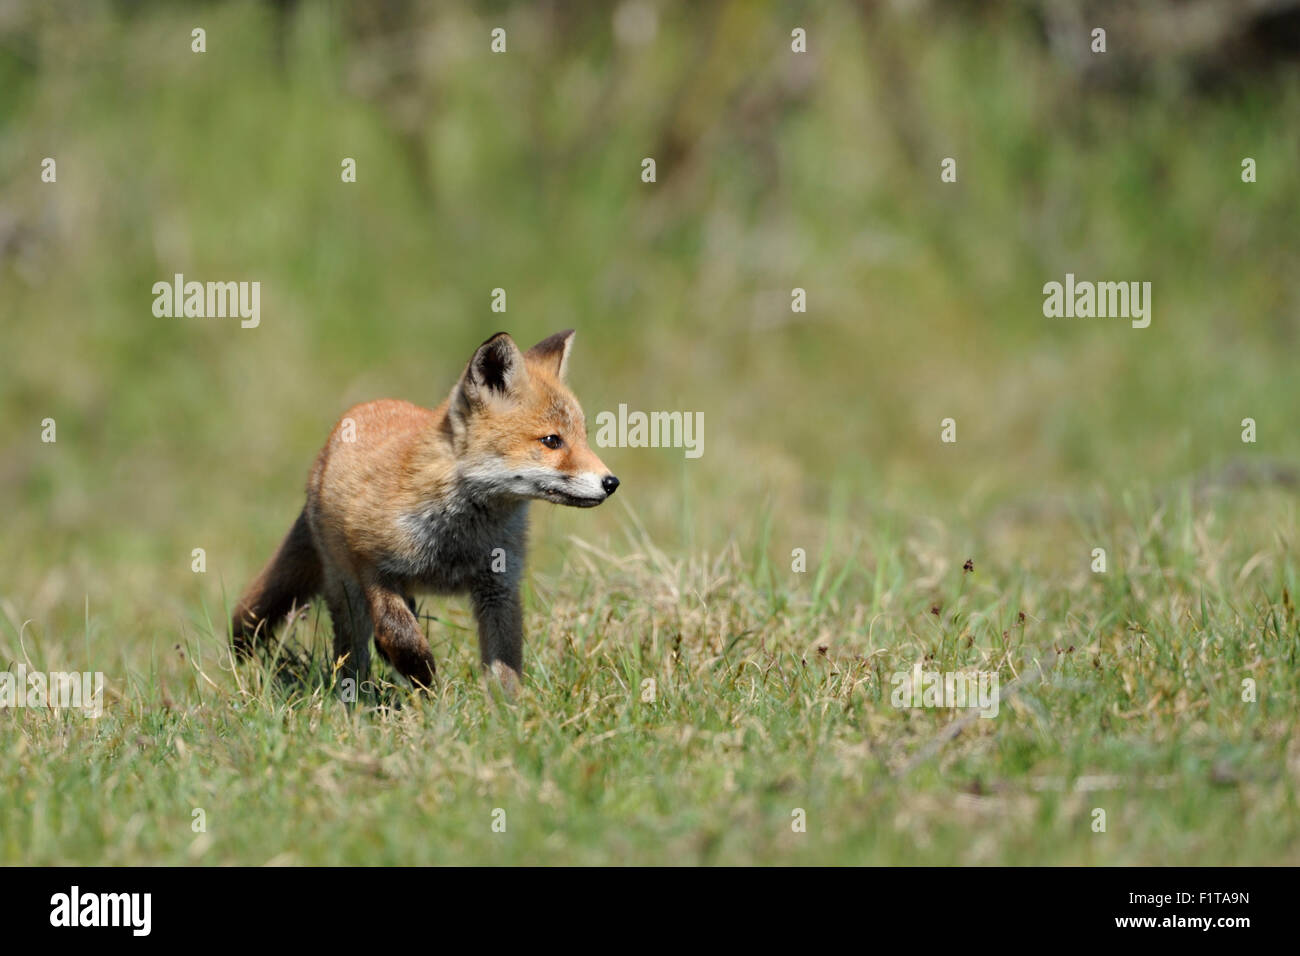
(691, 697)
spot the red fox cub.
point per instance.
(405, 499)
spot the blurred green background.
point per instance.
(522, 171)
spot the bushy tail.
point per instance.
(290, 579)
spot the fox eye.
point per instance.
(552, 441)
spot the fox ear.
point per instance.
(552, 352)
(497, 368)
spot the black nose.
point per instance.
(609, 483)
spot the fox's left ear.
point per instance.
(552, 352)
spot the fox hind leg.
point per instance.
(398, 635)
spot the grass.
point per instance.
(1122, 691)
(771, 694)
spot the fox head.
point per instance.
(517, 429)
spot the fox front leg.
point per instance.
(500, 620)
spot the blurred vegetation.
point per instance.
(522, 171)
(775, 170)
